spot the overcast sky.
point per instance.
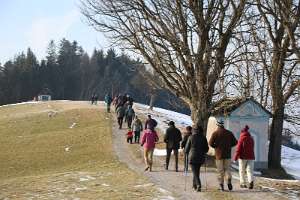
(33, 23)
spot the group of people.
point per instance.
(195, 146)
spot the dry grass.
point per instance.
(45, 159)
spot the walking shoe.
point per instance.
(229, 186)
(243, 186)
(147, 168)
(221, 187)
(195, 187)
(198, 188)
(251, 185)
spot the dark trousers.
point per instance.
(169, 151)
(120, 122)
(129, 140)
(108, 107)
(137, 136)
(129, 121)
(196, 175)
(186, 162)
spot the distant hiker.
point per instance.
(187, 134)
(93, 98)
(129, 99)
(150, 123)
(137, 127)
(129, 136)
(148, 141)
(129, 115)
(222, 141)
(172, 139)
(108, 101)
(120, 115)
(245, 154)
(196, 147)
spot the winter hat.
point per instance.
(246, 128)
(171, 123)
(220, 123)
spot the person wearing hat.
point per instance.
(245, 154)
(172, 139)
(222, 140)
(150, 123)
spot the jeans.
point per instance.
(137, 136)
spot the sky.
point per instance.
(33, 23)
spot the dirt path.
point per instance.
(173, 183)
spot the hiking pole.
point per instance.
(205, 177)
(185, 170)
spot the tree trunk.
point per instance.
(200, 114)
(275, 138)
(152, 99)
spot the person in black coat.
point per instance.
(186, 136)
(196, 147)
(172, 139)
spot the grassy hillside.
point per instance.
(43, 158)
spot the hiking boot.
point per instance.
(221, 187)
(251, 185)
(229, 186)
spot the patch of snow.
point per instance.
(159, 152)
(144, 185)
(163, 191)
(105, 185)
(22, 103)
(72, 126)
(290, 160)
(80, 189)
(67, 149)
(86, 178)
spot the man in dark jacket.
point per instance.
(222, 141)
(150, 123)
(196, 147)
(172, 139)
(129, 115)
(120, 115)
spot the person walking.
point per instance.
(148, 141)
(129, 115)
(137, 127)
(120, 115)
(222, 140)
(196, 147)
(245, 154)
(172, 139)
(150, 123)
(108, 101)
(187, 134)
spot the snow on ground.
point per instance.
(291, 161)
(22, 103)
(290, 157)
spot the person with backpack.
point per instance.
(187, 134)
(150, 123)
(196, 147)
(172, 139)
(120, 115)
(222, 140)
(137, 127)
(148, 141)
(108, 101)
(245, 155)
(129, 115)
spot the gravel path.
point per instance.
(173, 183)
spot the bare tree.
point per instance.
(185, 41)
(277, 55)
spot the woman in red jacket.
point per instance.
(245, 154)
